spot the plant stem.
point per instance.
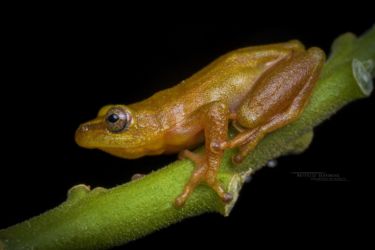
(102, 218)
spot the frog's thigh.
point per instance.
(291, 84)
(278, 121)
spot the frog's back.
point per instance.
(214, 82)
(228, 79)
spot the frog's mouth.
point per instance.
(85, 134)
(94, 135)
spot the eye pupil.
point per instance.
(113, 118)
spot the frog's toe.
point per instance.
(228, 197)
(224, 196)
(181, 199)
(195, 179)
(198, 159)
(212, 181)
(200, 175)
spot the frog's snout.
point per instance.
(81, 136)
(83, 128)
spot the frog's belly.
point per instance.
(189, 143)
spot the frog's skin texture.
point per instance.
(259, 89)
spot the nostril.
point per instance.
(84, 128)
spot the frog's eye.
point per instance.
(117, 119)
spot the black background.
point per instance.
(65, 66)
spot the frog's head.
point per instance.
(120, 131)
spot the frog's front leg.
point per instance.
(213, 120)
(277, 100)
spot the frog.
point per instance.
(256, 90)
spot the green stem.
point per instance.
(102, 218)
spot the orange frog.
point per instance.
(260, 89)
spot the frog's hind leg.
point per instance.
(278, 100)
(214, 120)
(278, 121)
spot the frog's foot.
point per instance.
(201, 174)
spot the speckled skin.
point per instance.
(260, 88)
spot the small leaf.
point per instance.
(362, 75)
